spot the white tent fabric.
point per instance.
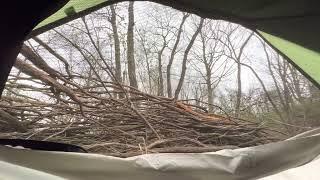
(309, 171)
(245, 163)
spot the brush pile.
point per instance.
(137, 123)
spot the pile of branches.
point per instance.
(113, 119)
(134, 125)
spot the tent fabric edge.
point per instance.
(312, 80)
(67, 19)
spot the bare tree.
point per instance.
(160, 46)
(216, 66)
(147, 53)
(54, 53)
(238, 59)
(117, 50)
(185, 58)
(160, 81)
(130, 47)
(117, 58)
(236, 55)
(173, 53)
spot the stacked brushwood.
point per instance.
(136, 124)
(107, 117)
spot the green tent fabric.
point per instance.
(291, 27)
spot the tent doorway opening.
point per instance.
(138, 77)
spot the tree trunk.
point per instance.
(41, 75)
(208, 69)
(37, 60)
(185, 58)
(149, 74)
(239, 90)
(116, 40)
(55, 54)
(173, 52)
(130, 48)
(117, 59)
(160, 82)
(210, 93)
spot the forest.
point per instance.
(139, 77)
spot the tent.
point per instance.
(289, 27)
